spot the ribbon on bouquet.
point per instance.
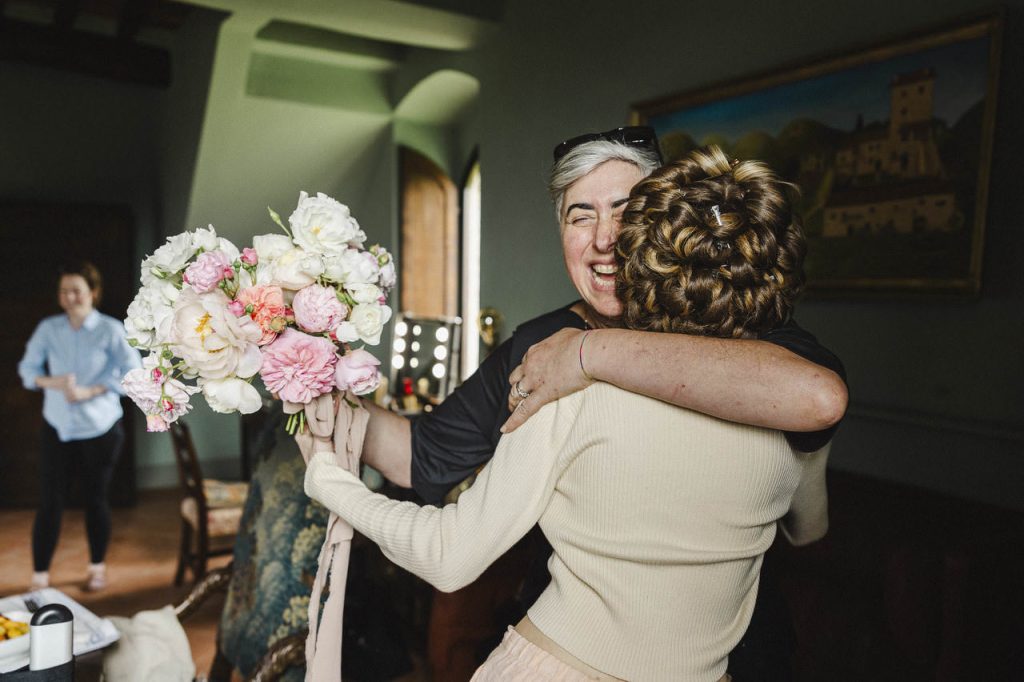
(348, 427)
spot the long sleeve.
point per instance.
(32, 364)
(122, 359)
(450, 547)
(807, 519)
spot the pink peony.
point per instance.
(299, 367)
(317, 309)
(357, 372)
(249, 256)
(265, 305)
(207, 271)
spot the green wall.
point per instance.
(935, 382)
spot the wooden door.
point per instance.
(430, 239)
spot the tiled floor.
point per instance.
(140, 565)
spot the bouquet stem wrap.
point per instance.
(323, 644)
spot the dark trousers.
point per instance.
(93, 460)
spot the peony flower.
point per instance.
(208, 271)
(357, 372)
(231, 395)
(296, 269)
(149, 315)
(299, 367)
(365, 293)
(205, 238)
(368, 320)
(144, 391)
(169, 259)
(214, 343)
(265, 306)
(155, 394)
(249, 256)
(352, 266)
(322, 225)
(269, 247)
(317, 309)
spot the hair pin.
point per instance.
(718, 214)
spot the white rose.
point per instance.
(231, 395)
(352, 265)
(211, 340)
(369, 320)
(204, 238)
(297, 269)
(322, 225)
(364, 293)
(170, 258)
(271, 246)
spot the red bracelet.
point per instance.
(583, 369)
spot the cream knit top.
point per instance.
(658, 517)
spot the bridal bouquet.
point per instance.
(287, 308)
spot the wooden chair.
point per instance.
(210, 509)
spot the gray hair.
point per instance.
(581, 160)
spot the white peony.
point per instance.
(369, 319)
(149, 315)
(169, 259)
(322, 225)
(364, 293)
(346, 332)
(352, 265)
(204, 238)
(211, 340)
(271, 246)
(231, 395)
(296, 269)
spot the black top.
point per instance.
(462, 432)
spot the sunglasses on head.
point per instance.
(641, 137)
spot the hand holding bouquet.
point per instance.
(287, 308)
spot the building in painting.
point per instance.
(889, 177)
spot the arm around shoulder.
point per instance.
(746, 381)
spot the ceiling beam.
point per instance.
(86, 53)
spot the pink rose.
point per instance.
(249, 256)
(265, 305)
(357, 372)
(236, 308)
(208, 271)
(317, 308)
(299, 367)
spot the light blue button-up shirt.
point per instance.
(97, 354)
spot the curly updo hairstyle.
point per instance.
(710, 247)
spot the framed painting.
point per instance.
(890, 146)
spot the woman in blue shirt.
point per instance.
(77, 359)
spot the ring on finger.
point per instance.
(523, 395)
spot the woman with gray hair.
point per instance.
(783, 380)
(659, 516)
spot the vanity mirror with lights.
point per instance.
(424, 360)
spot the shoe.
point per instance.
(40, 579)
(97, 578)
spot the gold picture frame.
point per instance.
(894, 184)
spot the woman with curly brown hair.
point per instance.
(659, 516)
